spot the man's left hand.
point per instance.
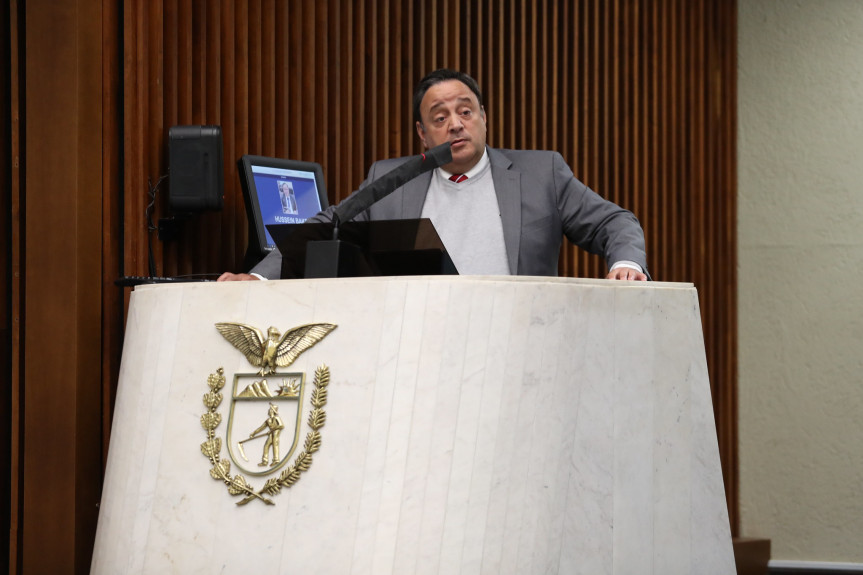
(624, 273)
(231, 277)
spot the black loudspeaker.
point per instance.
(195, 174)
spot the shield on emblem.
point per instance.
(264, 420)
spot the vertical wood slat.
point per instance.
(198, 47)
(112, 238)
(637, 95)
(726, 111)
(12, 328)
(269, 42)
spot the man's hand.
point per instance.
(623, 273)
(229, 277)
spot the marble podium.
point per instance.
(472, 425)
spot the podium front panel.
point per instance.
(472, 425)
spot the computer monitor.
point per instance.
(278, 191)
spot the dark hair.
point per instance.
(437, 77)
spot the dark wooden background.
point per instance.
(638, 95)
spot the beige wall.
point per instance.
(800, 234)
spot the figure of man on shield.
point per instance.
(275, 426)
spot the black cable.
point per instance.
(148, 214)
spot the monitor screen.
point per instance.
(278, 191)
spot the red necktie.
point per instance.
(458, 178)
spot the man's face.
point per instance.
(450, 112)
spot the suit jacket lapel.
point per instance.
(414, 196)
(507, 187)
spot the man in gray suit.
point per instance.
(498, 212)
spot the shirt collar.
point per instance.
(474, 171)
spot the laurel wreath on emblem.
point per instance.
(212, 447)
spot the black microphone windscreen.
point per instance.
(439, 155)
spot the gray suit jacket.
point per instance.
(540, 202)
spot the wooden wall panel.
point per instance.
(65, 248)
(638, 96)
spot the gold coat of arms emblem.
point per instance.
(266, 410)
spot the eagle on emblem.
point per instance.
(274, 349)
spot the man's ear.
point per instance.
(421, 132)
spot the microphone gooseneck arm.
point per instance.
(336, 223)
(390, 182)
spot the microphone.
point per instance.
(389, 182)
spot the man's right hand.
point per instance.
(229, 277)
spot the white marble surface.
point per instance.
(474, 425)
